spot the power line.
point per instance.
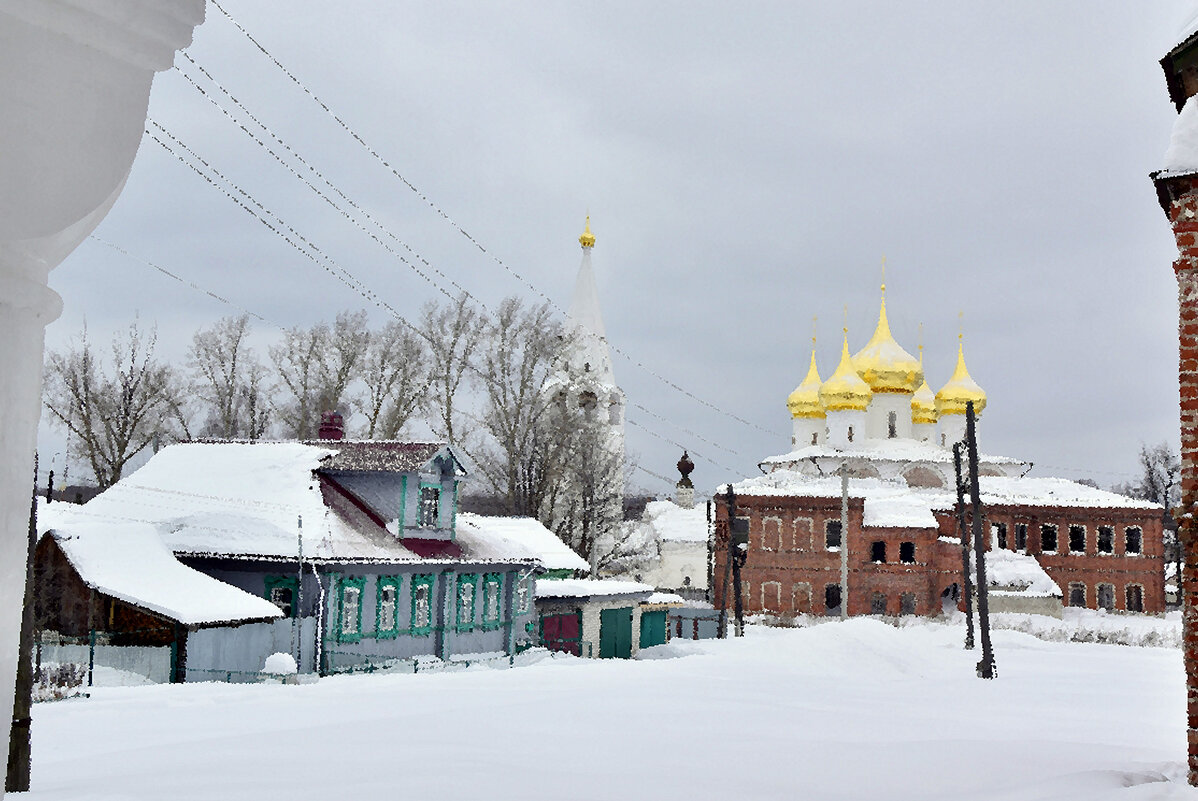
(325, 262)
(372, 220)
(441, 212)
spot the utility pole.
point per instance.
(297, 621)
(725, 536)
(844, 541)
(986, 667)
(19, 754)
(738, 552)
(961, 532)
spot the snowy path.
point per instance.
(856, 710)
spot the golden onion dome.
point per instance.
(804, 401)
(587, 240)
(845, 390)
(883, 363)
(923, 402)
(959, 390)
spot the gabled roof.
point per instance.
(246, 500)
(128, 561)
(527, 534)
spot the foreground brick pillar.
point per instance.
(1183, 216)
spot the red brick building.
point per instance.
(876, 418)
(1100, 549)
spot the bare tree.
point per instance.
(113, 415)
(521, 459)
(229, 381)
(395, 374)
(453, 332)
(316, 367)
(588, 509)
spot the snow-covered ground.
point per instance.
(843, 710)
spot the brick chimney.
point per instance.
(332, 426)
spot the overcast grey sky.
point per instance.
(745, 166)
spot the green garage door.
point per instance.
(615, 633)
(653, 628)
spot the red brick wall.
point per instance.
(788, 564)
(1183, 216)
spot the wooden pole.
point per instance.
(986, 667)
(966, 573)
(730, 499)
(20, 755)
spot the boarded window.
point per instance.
(771, 534)
(832, 534)
(771, 597)
(1048, 538)
(907, 604)
(1000, 535)
(1135, 598)
(877, 552)
(1077, 539)
(1106, 539)
(877, 604)
(1021, 536)
(1077, 594)
(1105, 595)
(1132, 539)
(832, 599)
(907, 553)
(801, 598)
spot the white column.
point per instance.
(74, 86)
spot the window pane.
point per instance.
(420, 606)
(1048, 538)
(387, 608)
(832, 533)
(1133, 538)
(430, 506)
(350, 601)
(1106, 539)
(1077, 539)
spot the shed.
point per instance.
(591, 617)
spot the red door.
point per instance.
(562, 632)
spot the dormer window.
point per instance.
(430, 506)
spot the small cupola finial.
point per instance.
(587, 240)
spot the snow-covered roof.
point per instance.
(672, 523)
(247, 499)
(1036, 491)
(127, 561)
(381, 455)
(890, 450)
(665, 598)
(1181, 157)
(525, 534)
(1018, 572)
(892, 504)
(589, 588)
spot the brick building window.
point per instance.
(877, 552)
(832, 599)
(1133, 539)
(1048, 538)
(1077, 594)
(1105, 594)
(771, 597)
(1077, 539)
(907, 553)
(877, 604)
(907, 604)
(1021, 537)
(1106, 539)
(1000, 535)
(1135, 598)
(832, 535)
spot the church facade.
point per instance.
(1051, 542)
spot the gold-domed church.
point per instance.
(1052, 542)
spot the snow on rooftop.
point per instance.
(128, 561)
(899, 508)
(666, 598)
(247, 499)
(525, 534)
(672, 523)
(588, 588)
(1036, 491)
(1018, 572)
(1181, 158)
(891, 450)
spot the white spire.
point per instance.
(592, 359)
